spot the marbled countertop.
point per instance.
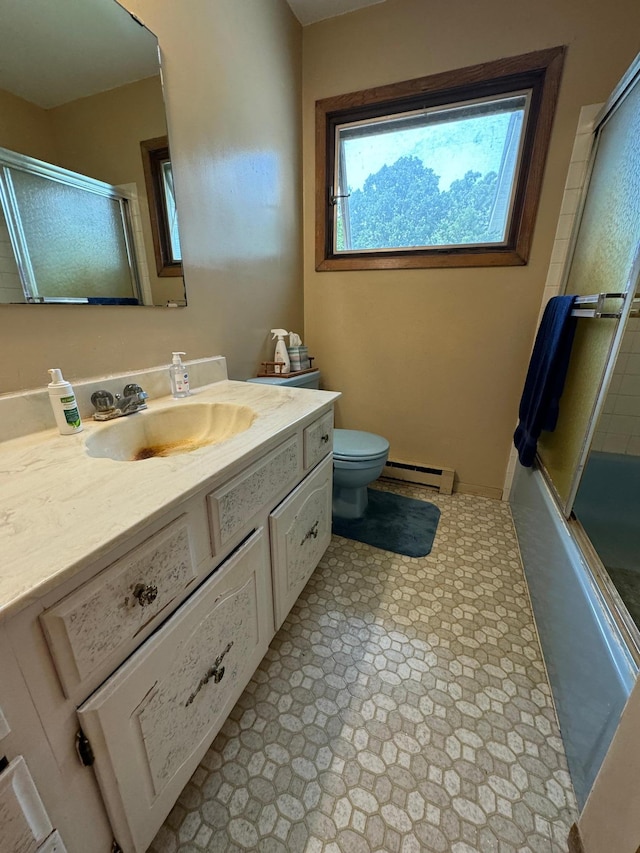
(61, 509)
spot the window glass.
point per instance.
(438, 177)
(171, 212)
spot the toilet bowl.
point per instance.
(358, 457)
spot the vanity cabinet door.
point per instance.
(300, 534)
(24, 823)
(151, 723)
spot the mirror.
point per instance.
(80, 94)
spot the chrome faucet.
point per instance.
(132, 399)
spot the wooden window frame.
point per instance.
(154, 153)
(540, 71)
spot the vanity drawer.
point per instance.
(318, 440)
(152, 721)
(24, 823)
(96, 624)
(233, 507)
(300, 534)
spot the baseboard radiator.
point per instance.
(439, 478)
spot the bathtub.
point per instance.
(590, 669)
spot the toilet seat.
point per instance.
(351, 445)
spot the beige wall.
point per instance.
(232, 74)
(610, 820)
(25, 128)
(435, 359)
(100, 136)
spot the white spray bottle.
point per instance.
(281, 353)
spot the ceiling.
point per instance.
(54, 51)
(310, 11)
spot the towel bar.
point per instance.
(598, 300)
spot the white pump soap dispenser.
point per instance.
(281, 353)
(63, 403)
(178, 376)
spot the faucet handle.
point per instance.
(134, 390)
(136, 398)
(102, 400)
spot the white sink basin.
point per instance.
(170, 431)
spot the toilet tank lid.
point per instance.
(303, 380)
(353, 442)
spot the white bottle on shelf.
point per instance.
(64, 403)
(281, 353)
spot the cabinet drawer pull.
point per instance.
(215, 672)
(145, 594)
(311, 534)
(324, 438)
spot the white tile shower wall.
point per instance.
(570, 202)
(10, 287)
(618, 429)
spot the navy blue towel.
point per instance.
(539, 406)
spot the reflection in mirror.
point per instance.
(72, 237)
(80, 91)
(158, 177)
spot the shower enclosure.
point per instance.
(577, 515)
(592, 458)
(71, 237)
(607, 503)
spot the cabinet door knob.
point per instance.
(145, 594)
(324, 438)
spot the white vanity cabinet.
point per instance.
(141, 655)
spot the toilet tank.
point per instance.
(303, 380)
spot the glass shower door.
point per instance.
(592, 460)
(605, 259)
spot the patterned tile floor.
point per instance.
(402, 707)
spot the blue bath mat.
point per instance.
(393, 523)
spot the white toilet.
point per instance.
(358, 457)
